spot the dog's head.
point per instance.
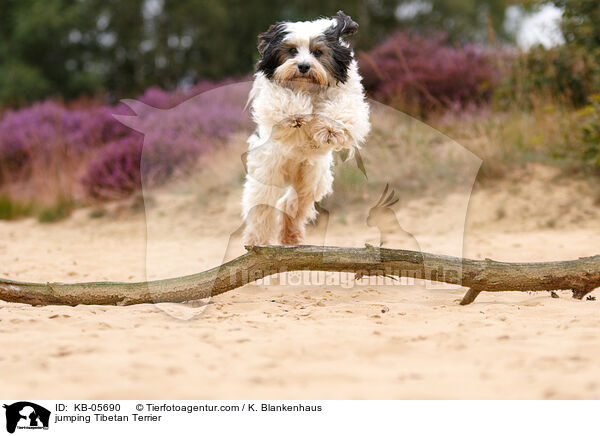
(307, 53)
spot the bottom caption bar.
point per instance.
(290, 417)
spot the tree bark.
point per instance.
(581, 275)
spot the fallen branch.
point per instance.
(581, 275)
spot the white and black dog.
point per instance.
(307, 100)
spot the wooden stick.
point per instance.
(581, 275)
(469, 297)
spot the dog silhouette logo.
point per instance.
(26, 415)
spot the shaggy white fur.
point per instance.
(298, 127)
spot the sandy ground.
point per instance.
(297, 341)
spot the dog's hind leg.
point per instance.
(312, 182)
(261, 225)
(259, 213)
(292, 230)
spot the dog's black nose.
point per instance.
(303, 68)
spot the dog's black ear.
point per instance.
(274, 34)
(269, 44)
(345, 25)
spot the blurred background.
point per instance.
(515, 82)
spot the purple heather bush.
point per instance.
(116, 171)
(161, 99)
(47, 128)
(421, 75)
(173, 137)
(162, 140)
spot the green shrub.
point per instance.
(20, 83)
(566, 74)
(11, 209)
(569, 73)
(579, 24)
(590, 132)
(58, 211)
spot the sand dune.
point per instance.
(303, 341)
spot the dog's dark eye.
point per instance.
(293, 51)
(317, 53)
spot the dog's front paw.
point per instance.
(329, 133)
(297, 121)
(289, 126)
